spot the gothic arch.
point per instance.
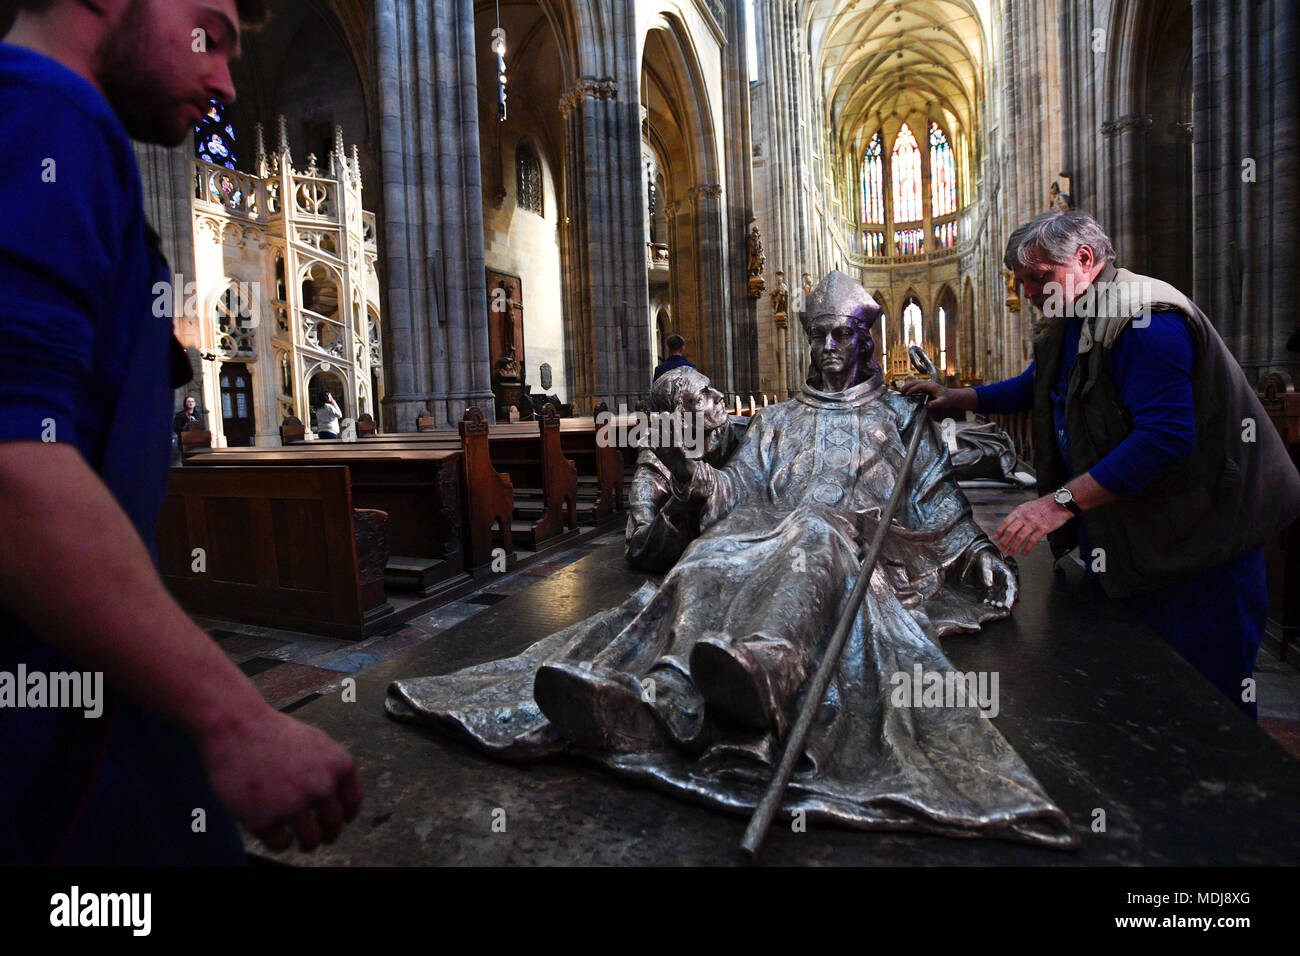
(1149, 87)
(679, 126)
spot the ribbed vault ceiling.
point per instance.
(879, 60)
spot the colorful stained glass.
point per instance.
(528, 179)
(873, 182)
(943, 173)
(906, 163)
(909, 241)
(215, 138)
(873, 243)
(945, 235)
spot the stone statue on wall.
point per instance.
(1058, 199)
(691, 684)
(781, 296)
(508, 365)
(756, 262)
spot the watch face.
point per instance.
(1062, 496)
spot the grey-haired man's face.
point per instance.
(1041, 279)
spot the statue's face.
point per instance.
(701, 398)
(836, 346)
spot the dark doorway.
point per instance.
(237, 404)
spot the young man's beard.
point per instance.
(133, 89)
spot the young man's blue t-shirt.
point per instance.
(84, 360)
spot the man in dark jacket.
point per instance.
(676, 345)
(1152, 451)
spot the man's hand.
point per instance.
(1029, 524)
(84, 581)
(995, 574)
(282, 779)
(957, 399)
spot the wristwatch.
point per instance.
(1065, 498)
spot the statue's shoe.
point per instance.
(597, 708)
(679, 706)
(736, 679)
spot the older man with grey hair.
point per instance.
(1147, 432)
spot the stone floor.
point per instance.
(292, 669)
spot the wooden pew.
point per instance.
(194, 437)
(419, 489)
(543, 482)
(601, 482)
(278, 547)
(292, 430)
(486, 494)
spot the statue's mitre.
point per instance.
(839, 294)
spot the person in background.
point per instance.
(190, 413)
(676, 345)
(327, 418)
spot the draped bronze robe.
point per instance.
(782, 527)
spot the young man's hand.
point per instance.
(282, 779)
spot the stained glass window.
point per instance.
(214, 137)
(873, 182)
(528, 179)
(943, 173)
(912, 324)
(943, 339)
(945, 235)
(909, 241)
(906, 163)
(873, 243)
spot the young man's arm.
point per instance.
(84, 581)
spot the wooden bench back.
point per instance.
(419, 489)
(273, 546)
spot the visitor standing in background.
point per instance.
(327, 418)
(676, 345)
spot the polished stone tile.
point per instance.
(288, 683)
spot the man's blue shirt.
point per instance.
(1214, 619)
(85, 361)
(670, 363)
(1154, 376)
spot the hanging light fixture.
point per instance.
(499, 48)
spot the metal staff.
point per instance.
(816, 690)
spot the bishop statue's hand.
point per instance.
(675, 460)
(993, 572)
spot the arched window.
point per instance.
(943, 173)
(873, 182)
(214, 138)
(912, 324)
(906, 163)
(528, 179)
(943, 340)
